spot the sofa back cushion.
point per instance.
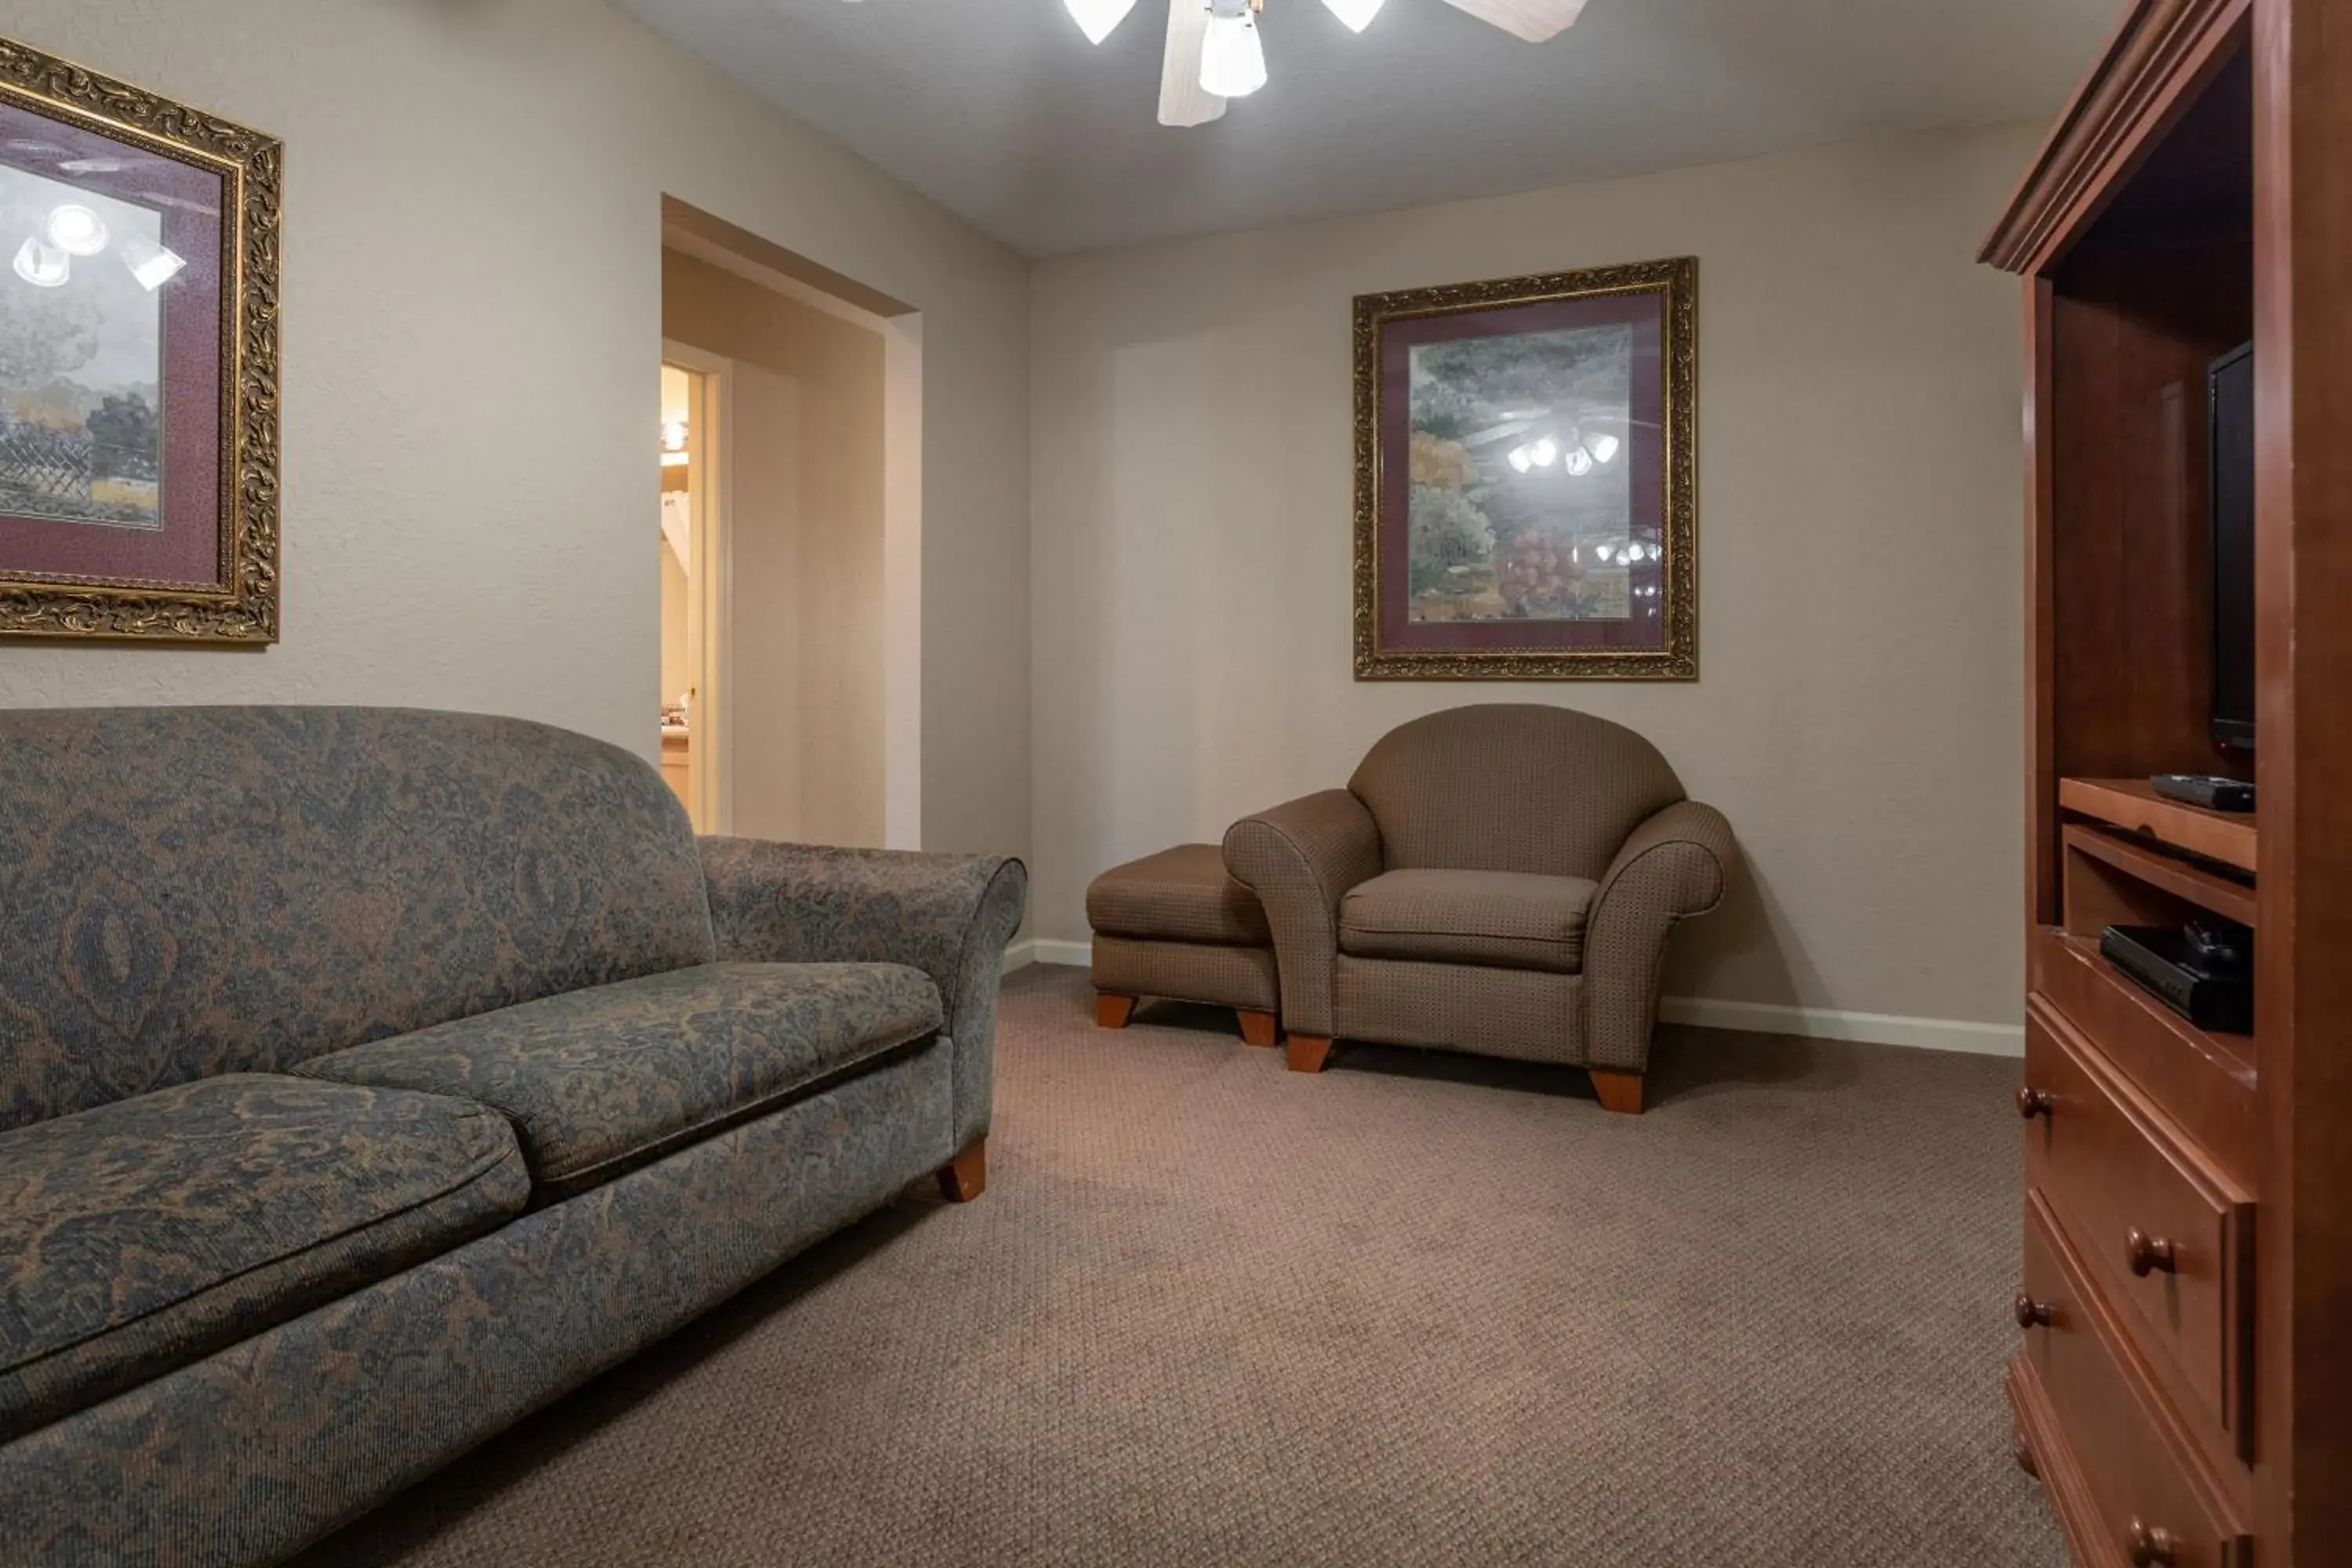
(1511, 787)
(189, 891)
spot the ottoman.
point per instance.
(1174, 926)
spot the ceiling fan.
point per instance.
(1214, 53)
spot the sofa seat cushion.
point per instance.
(1177, 895)
(599, 1082)
(139, 1236)
(1503, 920)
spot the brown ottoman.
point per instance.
(1174, 926)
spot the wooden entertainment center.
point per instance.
(2184, 1388)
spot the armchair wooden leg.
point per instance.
(965, 1177)
(1619, 1091)
(1259, 1028)
(1308, 1053)
(1112, 1011)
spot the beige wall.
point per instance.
(473, 201)
(805, 518)
(1859, 714)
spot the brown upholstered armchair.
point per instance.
(1500, 879)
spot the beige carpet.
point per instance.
(1420, 1309)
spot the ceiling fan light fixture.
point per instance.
(1233, 60)
(1098, 19)
(1357, 13)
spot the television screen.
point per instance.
(2231, 496)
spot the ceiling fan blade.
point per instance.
(1181, 100)
(1534, 20)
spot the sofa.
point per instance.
(370, 1078)
(1500, 879)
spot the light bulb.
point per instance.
(1520, 460)
(674, 436)
(1633, 552)
(77, 230)
(150, 263)
(1544, 452)
(1097, 19)
(1602, 447)
(1357, 13)
(1579, 461)
(1232, 61)
(42, 266)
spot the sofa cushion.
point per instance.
(1177, 895)
(598, 1083)
(145, 1235)
(1506, 920)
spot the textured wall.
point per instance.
(473, 318)
(1860, 496)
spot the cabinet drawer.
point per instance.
(2167, 1237)
(2154, 1502)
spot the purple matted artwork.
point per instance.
(1524, 482)
(138, 363)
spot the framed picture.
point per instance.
(138, 363)
(1525, 478)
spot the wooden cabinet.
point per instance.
(2184, 1386)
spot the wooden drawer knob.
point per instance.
(2031, 1313)
(2149, 1254)
(2032, 1103)
(2151, 1546)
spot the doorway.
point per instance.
(694, 583)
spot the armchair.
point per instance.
(1500, 879)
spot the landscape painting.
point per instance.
(1525, 478)
(81, 357)
(1519, 506)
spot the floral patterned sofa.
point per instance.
(370, 1078)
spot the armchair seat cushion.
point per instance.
(599, 1082)
(1502, 919)
(140, 1236)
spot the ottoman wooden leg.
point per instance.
(1112, 1011)
(966, 1177)
(1259, 1028)
(1308, 1053)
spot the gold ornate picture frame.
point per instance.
(1526, 477)
(139, 370)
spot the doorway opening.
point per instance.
(694, 582)
(802, 631)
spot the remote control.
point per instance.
(2211, 791)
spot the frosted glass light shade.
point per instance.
(42, 266)
(1097, 19)
(152, 264)
(75, 230)
(1232, 61)
(1602, 447)
(1357, 13)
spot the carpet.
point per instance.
(1420, 1309)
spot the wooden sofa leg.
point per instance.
(965, 1177)
(1619, 1091)
(1308, 1053)
(1259, 1028)
(1112, 1011)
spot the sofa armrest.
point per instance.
(950, 916)
(1300, 858)
(1675, 865)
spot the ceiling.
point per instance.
(999, 110)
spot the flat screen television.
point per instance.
(2230, 385)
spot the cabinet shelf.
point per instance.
(2143, 863)
(2134, 805)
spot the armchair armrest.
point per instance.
(949, 916)
(1300, 858)
(1675, 865)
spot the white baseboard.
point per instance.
(1707, 1013)
(1829, 1023)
